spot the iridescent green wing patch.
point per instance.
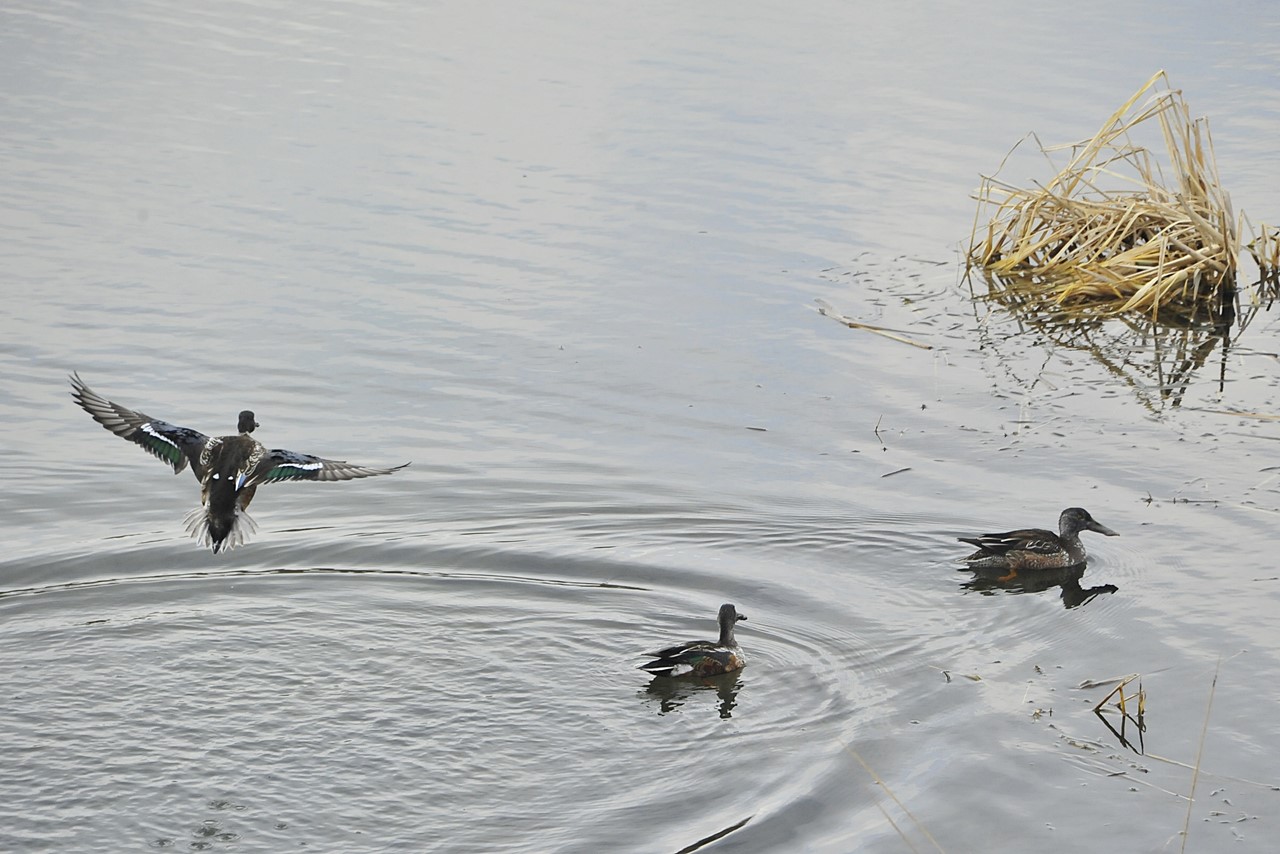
(290, 465)
(174, 445)
(287, 465)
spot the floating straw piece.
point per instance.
(827, 310)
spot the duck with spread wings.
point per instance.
(229, 468)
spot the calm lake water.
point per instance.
(564, 258)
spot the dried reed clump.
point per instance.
(1080, 246)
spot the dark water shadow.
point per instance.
(1039, 581)
(720, 834)
(671, 693)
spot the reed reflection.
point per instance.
(1114, 235)
(1157, 359)
(1132, 708)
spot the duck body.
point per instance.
(229, 468)
(1034, 548)
(226, 488)
(702, 658)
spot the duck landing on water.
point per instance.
(1009, 553)
(229, 468)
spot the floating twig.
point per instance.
(825, 309)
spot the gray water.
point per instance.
(564, 258)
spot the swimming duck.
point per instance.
(229, 468)
(702, 658)
(1034, 548)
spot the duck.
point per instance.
(702, 658)
(229, 468)
(1034, 548)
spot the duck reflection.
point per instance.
(1073, 594)
(671, 693)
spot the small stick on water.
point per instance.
(1119, 688)
(825, 308)
(1098, 683)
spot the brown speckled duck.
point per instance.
(1009, 553)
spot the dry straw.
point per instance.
(1109, 235)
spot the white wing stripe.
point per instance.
(150, 431)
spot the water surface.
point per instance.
(565, 260)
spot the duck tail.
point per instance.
(666, 667)
(220, 532)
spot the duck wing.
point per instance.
(681, 648)
(174, 445)
(1035, 540)
(280, 465)
(702, 658)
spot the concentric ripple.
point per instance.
(377, 710)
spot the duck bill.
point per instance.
(1102, 529)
